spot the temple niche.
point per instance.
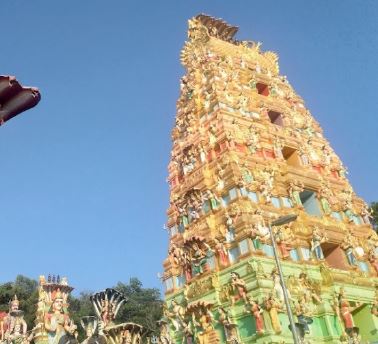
(246, 151)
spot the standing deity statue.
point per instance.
(176, 315)
(366, 214)
(202, 153)
(308, 289)
(239, 288)
(278, 292)
(348, 245)
(266, 183)
(277, 148)
(222, 253)
(272, 306)
(230, 229)
(283, 237)
(199, 258)
(253, 140)
(295, 188)
(303, 313)
(212, 198)
(259, 232)
(317, 239)
(256, 311)
(325, 196)
(303, 154)
(346, 313)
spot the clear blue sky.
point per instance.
(83, 189)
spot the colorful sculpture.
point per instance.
(13, 325)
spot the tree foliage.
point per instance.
(374, 214)
(26, 290)
(143, 306)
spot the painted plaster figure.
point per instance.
(303, 314)
(283, 236)
(256, 312)
(317, 239)
(239, 288)
(176, 315)
(345, 311)
(221, 253)
(273, 307)
(295, 188)
(348, 245)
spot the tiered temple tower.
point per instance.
(246, 151)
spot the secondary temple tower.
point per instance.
(247, 151)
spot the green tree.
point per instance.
(144, 305)
(26, 290)
(374, 209)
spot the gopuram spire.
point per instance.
(247, 151)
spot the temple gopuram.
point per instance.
(246, 152)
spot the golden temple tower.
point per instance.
(247, 151)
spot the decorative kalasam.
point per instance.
(247, 151)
